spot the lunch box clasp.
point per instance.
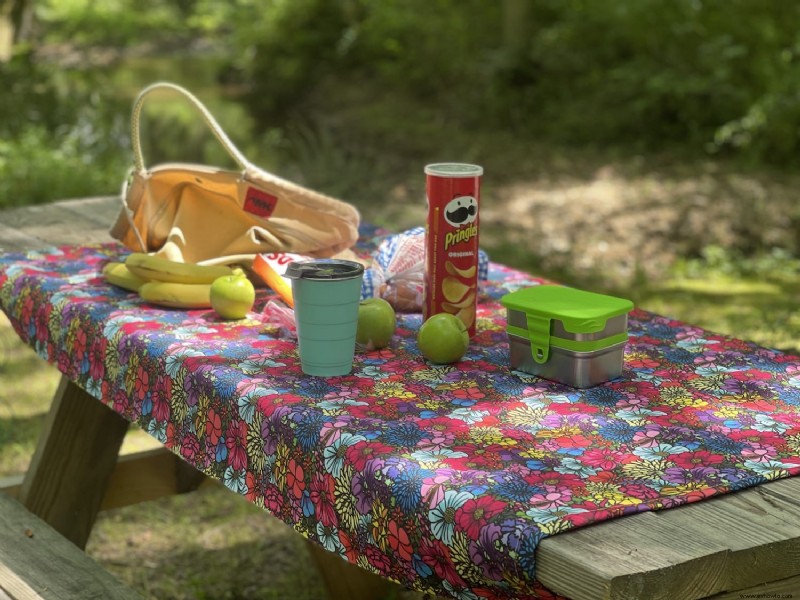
(539, 336)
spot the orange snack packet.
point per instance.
(271, 267)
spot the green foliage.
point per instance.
(31, 97)
(111, 22)
(431, 48)
(413, 48)
(39, 167)
(297, 43)
(713, 74)
(418, 78)
(768, 131)
(56, 141)
(703, 76)
(173, 131)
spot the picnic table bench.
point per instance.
(38, 563)
(722, 548)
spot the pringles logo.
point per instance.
(460, 235)
(461, 212)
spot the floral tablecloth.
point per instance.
(443, 478)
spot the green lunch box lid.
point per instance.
(579, 312)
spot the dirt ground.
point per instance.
(619, 224)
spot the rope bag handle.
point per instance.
(303, 199)
(223, 138)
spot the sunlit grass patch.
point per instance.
(27, 384)
(185, 547)
(754, 298)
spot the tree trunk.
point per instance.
(515, 25)
(16, 18)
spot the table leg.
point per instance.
(345, 580)
(73, 461)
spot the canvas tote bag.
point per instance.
(202, 214)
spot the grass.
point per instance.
(207, 545)
(27, 385)
(753, 298)
(748, 309)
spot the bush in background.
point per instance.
(714, 75)
(410, 78)
(710, 76)
(56, 141)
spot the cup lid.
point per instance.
(325, 269)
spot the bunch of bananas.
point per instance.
(165, 282)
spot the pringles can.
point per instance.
(451, 241)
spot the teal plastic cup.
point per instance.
(326, 296)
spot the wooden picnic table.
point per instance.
(726, 547)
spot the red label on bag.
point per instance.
(260, 203)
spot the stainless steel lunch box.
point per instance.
(567, 335)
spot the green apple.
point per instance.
(443, 338)
(376, 323)
(232, 296)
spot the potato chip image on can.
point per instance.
(466, 302)
(451, 240)
(463, 273)
(453, 289)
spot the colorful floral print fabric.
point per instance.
(443, 478)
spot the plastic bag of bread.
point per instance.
(397, 273)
